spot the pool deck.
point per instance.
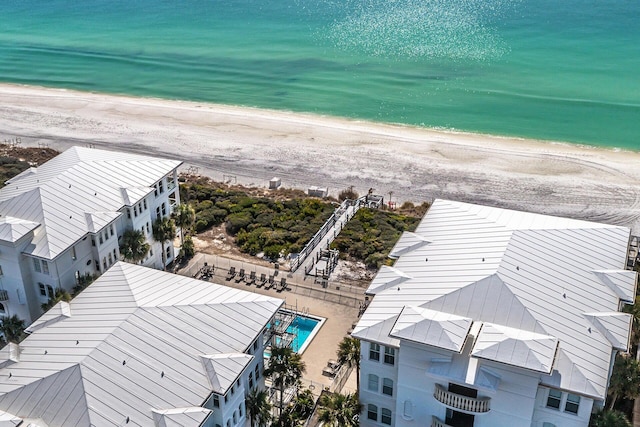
(340, 313)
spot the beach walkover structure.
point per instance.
(495, 318)
(64, 220)
(315, 251)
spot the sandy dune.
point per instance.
(253, 145)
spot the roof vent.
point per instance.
(124, 362)
(127, 420)
(46, 352)
(426, 259)
(482, 259)
(77, 342)
(162, 374)
(564, 295)
(69, 185)
(518, 267)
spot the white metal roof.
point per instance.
(130, 343)
(179, 417)
(12, 229)
(78, 191)
(431, 327)
(525, 271)
(516, 347)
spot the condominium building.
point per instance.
(65, 218)
(491, 317)
(139, 347)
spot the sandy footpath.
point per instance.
(254, 145)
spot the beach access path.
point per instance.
(416, 164)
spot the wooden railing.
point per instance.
(463, 403)
(437, 422)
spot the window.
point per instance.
(572, 404)
(145, 204)
(389, 355)
(110, 259)
(148, 228)
(93, 241)
(386, 416)
(36, 265)
(235, 417)
(50, 292)
(226, 399)
(168, 252)
(45, 267)
(232, 389)
(158, 212)
(374, 351)
(250, 380)
(372, 412)
(164, 209)
(1, 308)
(78, 276)
(255, 345)
(257, 371)
(216, 401)
(228, 423)
(238, 383)
(240, 409)
(115, 254)
(150, 252)
(104, 262)
(161, 187)
(553, 401)
(155, 191)
(111, 229)
(373, 383)
(135, 211)
(100, 239)
(387, 386)
(129, 213)
(97, 264)
(73, 253)
(43, 289)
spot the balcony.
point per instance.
(437, 422)
(463, 403)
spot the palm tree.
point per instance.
(337, 410)
(164, 230)
(134, 246)
(258, 407)
(58, 295)
(184, 217)
(609, 419)
(12, 328)
(285, 369)
(625, 379)
(349, 354)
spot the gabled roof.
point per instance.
(408, 242)
(12, 229)
(386, 278)
(58, 194)
(223, 369)
(431, 327)
(179, 417)
(516, 347)
(524, 271)
(132, 345)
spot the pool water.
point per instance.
(303, 329)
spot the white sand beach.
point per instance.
(253, 145)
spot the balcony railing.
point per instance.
(463, 403)
(437, 422)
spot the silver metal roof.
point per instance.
(12, 229)
(530, 272)
(78, 191)
(431, 327)
(132, 345)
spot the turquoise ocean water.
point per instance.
(560, 70)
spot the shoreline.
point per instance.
(250, 146)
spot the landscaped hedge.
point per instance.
(260, 224)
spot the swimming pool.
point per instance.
(303, 328)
